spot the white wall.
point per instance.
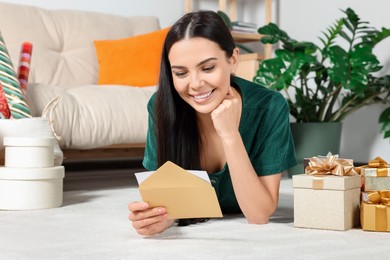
(167, 10)
(302, 19)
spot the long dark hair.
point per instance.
(178, 138)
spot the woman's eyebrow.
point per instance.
(198, 65)
(205, 61)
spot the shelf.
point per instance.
(251, 56)
(242, 37)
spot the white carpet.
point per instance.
(92, 224)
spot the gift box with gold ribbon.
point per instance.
(375, 211)
(376, 175)
(327, 196)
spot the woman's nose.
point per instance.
(196, 82)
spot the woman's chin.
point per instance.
(205, 109)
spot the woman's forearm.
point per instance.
(256, 198)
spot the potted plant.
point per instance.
(324, 84)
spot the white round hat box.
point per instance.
(29, 152)
(31, 188)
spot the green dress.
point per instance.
(264, 129)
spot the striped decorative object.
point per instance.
(24, 65)
(11, 86)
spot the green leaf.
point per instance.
(352, 17)
(362, 58)
(306, 47)
(332, 33)
(269, 72)
(323, 42)
(284, 55)
(269, 39)
(348, 25)
(271, 29)
(373, 36)
(282, 82)
(225, 18)
(272, 34)
(338, 73)
(384, 120)
(345, 36)
(385, 116)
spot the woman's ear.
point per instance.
(234, 59)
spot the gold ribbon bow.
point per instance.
(378, 197)
(330, 165)
(380, 165)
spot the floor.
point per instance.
(92, 224)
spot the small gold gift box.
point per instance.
(375, 211)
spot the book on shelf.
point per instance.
(244, 24)
(246, 27)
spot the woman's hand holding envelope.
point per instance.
(148, 221)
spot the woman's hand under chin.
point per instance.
(226, 117)
(148, 221)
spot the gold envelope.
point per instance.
(181, 193)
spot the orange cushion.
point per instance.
(133, 61)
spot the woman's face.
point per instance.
(201, 72)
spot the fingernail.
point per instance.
(144, 205)
(161, 210)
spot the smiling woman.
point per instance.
(204, 118)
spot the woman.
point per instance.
(204, 118)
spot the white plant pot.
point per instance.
(31, 188)
(29, 152)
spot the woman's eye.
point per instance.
(180, 74)
(208, 69)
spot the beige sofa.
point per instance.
(64, 64)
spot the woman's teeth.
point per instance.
(203, 96)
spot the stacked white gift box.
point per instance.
(29, 180)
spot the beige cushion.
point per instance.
(93, 116)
